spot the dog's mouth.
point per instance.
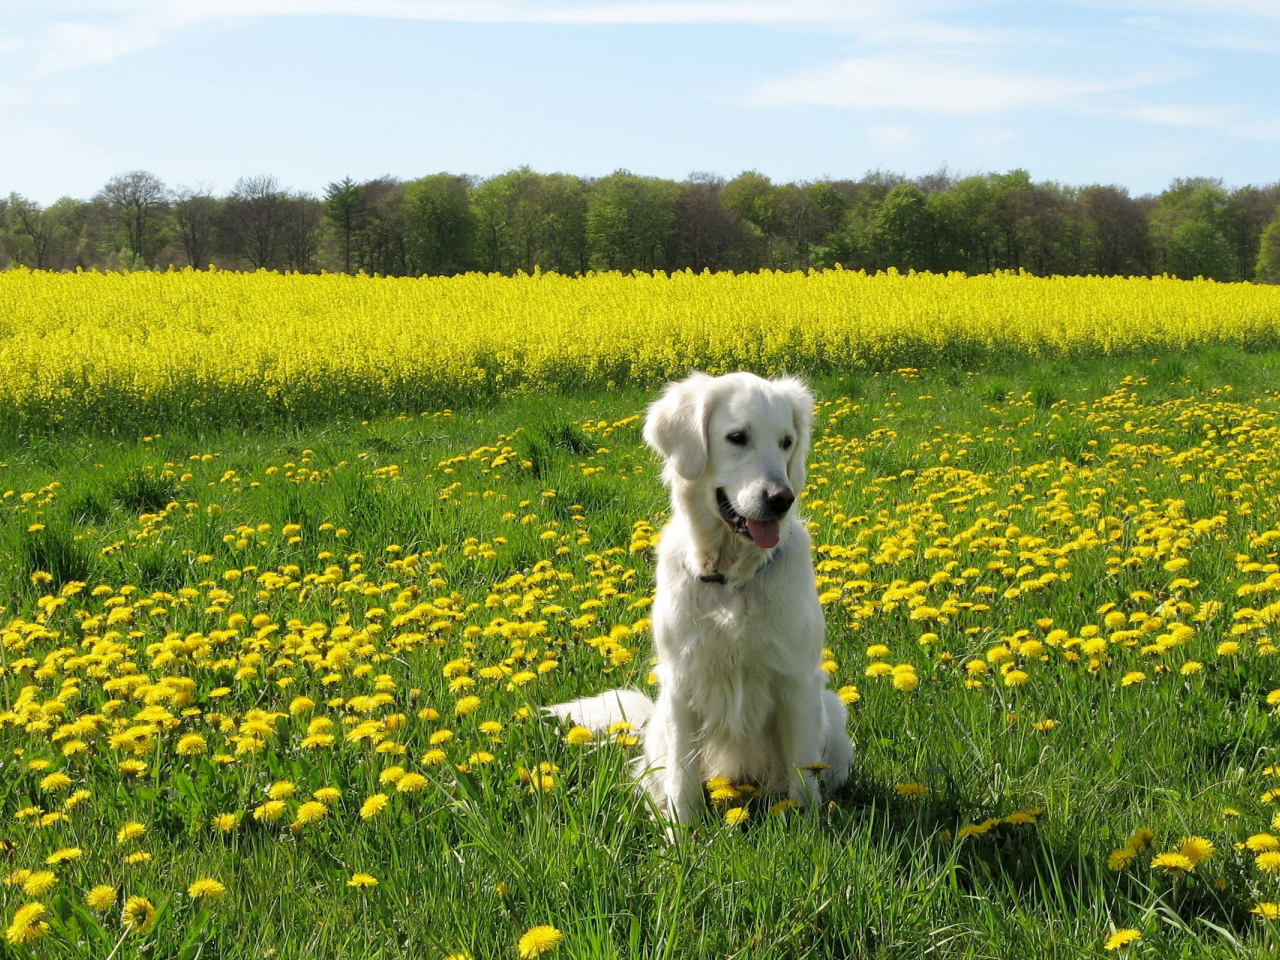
(763, 533)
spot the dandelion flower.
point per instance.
(373, 806)
(55, 782)
(224, 822)
(140, 857)
(1268, 911)
(1132, 677)
(1120, 859)
(27, 925)
(1141, 838)
(328, 795)
(139, 915)
(1174, 861)
(310, 812)
(1121, 939)
(911, 791)
(269, 812)
(1268, 862)
(100, 898)
(433, 757)
(411, 783)
(39, 883)
(65, 855)
(467, 705)
(736, 817)
(848, 694)
(208, 888)
(539, 940)
(1262, 842)
(579, 736)
(190, 745)
(281, 790)
(1016, 678)
(1196, 849)
(362, 881)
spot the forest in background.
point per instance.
(522, 220)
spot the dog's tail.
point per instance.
(601, 712)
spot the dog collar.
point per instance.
(720, 577)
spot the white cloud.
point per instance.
(929, 83)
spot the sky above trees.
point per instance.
(1133, 92)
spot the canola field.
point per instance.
(275, 693)
(216, 348)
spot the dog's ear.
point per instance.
(676, 425)
(801, 401)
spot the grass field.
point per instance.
(305, 663)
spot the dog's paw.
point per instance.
(708, 560)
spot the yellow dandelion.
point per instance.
(39, 883)
(224, 822)
(1120, 859)
(539, 940)
(736, 816)
(411, 783)
(55, 782)
(101, 898)
(362, 881)
(1262, 842)
(139, 915)
(310, 812)
(466, 706)
(1268, 862)
(1268, 911)
(1177, 862)
(1196, 849)
(281, 790)
(1132, 677)
(207, 888)
(579, 736)
(911, 791)
(433, 758)
(130, 831)
(65, 855)
(1121, 939)
(269, 812)
(27, 925)
(373, 806)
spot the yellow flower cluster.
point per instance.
(85, 345)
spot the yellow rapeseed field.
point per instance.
(92, 345)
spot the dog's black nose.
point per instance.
(779, 498)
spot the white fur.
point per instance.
(741, 690)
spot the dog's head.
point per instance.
(742, 440)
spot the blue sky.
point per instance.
(1081, 91)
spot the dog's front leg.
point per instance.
(684, 757)
(799, 732)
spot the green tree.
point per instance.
(630, 222)
(345, 208)
(442, 224)
(1267, 269)
(907, 229)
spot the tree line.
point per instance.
(522, 220)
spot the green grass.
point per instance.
(473, 861)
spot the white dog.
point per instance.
(736, 619)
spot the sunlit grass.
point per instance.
(250, 646)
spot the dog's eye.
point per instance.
(738, 438)
(786, 443)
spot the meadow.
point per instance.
(271, 689)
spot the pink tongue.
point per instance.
(764, 533)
